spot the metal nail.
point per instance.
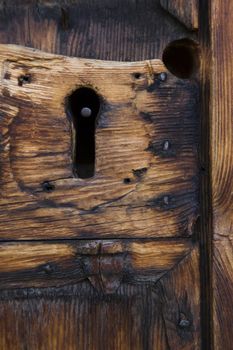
(86, 112)
(163, 76)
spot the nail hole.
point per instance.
(137, 75)
(47, 268)
(166, 200)
(166, 145)
(181, 57)
(183, 322)
(24, 79)
(203, 169)
(163, 76)
(48, 187)
(127, 180)
(82, 108)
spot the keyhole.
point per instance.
(82, 108)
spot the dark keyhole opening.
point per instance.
(181, 57)
(83, 108)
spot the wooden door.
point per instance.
(115, 159)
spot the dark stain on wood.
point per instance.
(47, 300)
(126, 30)
(121, 148)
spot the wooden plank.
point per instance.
(181, 307)
(146, 179)
(162, 314)
(121, 30)
(78, 316)
(56, 264)
(205, 227)
(222, 170)
(185, 11)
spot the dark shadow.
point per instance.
(181, 57)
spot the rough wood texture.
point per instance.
(222, 170)
(163, 315)
(105, 263)
(124, 30)
(146, 180)
(95, 295)
(185, 11)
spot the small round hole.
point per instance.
(137, 75)
(127, 180)
(24, 79)
(181, 57)
(48, 187)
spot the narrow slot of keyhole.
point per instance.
(83, 108)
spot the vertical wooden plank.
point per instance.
(222, 171)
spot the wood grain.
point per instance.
(183, 283)
(110, 262)
(138, 117)
(222, 170)
(150, 298)
(163, 315)
(185, 11)
(121, 30)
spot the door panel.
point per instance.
(151, 309)
(117, 261)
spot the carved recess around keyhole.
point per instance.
(83, 106)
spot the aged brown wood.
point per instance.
(121, 30)
(222, 170)
(145, 315)
(146, 179)
(99, 294)
(185, 11)
(55, 264)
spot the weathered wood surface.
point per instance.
(104, 263)
(121, 30)
(164, 315)
(185, 11)
(222, 171)
(149, 297)
(146, 180)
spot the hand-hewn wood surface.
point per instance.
(137, 118)
(107, 262)
(185, 11)
(222, 171)
(147, 315)
(121, 30)
(100, 294)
